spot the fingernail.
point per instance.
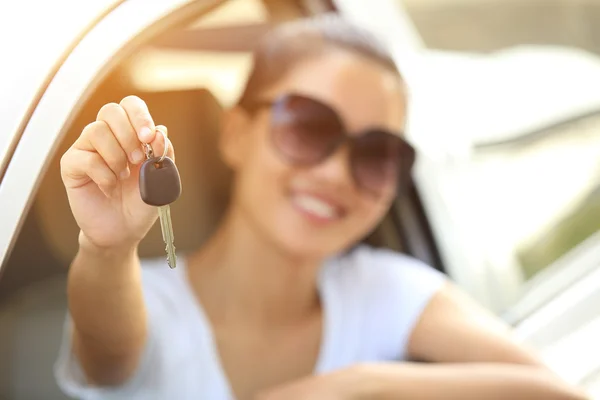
(145, 134)
(124, 174)
(137, 156)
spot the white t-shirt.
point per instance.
(371, 302)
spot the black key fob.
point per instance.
(159, 181)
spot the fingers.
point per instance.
(116, 118)
(78, 167)
(107, 147)
(98, 137)
(139, 117)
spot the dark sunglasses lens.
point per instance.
(379, 159)
(305, 131)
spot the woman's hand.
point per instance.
(100, 172)
(343, 384)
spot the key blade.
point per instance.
(164, 214)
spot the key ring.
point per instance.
(166, 142)
(150, 153)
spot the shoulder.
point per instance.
(379, 269)
(393, 289)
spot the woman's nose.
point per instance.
(335, 169)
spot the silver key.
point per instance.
(164, 214)
(160, 186)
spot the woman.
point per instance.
(281, 303)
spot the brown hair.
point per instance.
(292, 42)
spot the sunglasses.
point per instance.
(306, 132)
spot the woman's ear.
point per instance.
(234, 136)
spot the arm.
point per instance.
(490, 381)
(107, 307)
(475, 357)
(453, 328)
(391, 381)
(100, 172)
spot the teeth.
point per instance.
(315, 206)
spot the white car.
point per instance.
(509, 150)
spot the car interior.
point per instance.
(33, 301)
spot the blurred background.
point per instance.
(533, 163)
(490, 25)
(505, 114)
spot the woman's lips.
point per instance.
(317, 207)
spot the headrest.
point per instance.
(192, 117)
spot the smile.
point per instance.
(316, 207)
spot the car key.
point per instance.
(160, 185)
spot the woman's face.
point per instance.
(315, 210)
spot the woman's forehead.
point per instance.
(363, 92)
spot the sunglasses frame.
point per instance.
(407, 159)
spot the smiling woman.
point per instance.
(318, 156)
